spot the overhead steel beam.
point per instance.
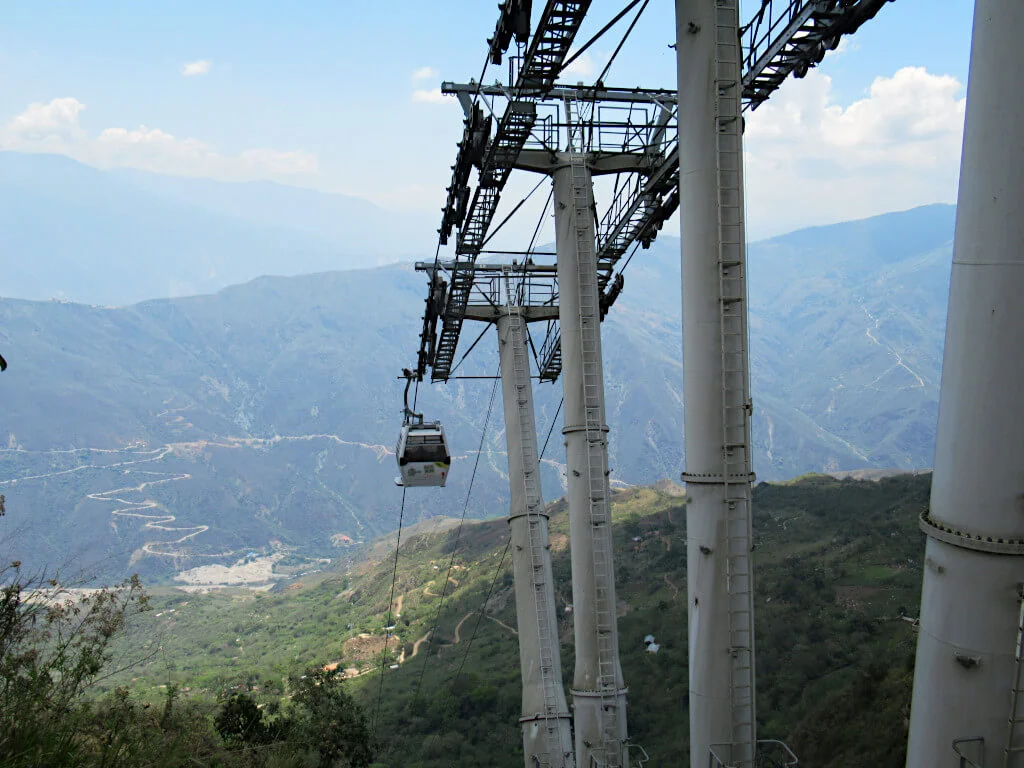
(791, 36)
(559, 22)
(784, 37)
(562, 92)
(519, 269)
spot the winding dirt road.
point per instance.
(458, 627)
(152, 512)
(675, 589)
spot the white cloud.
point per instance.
(54, 128)
(431, 96)
(194, 68)
(810, 160)
(425, 73)
(113, 137)
(581, 69)
(846, 45)
(57, 119)
(155, 150)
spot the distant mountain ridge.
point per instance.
(118, 237)
(374, 235)
(278, 404)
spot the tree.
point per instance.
(241, 720)
(53, 645)
(328, 720)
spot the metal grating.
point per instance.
(791, 36)
(784, 37)
(556, 30)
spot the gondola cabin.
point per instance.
(423, 457)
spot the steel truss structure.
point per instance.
(792, 36)
(783, 37)
(559, 22)
(631, 132)
(530, 285)
(572, 134)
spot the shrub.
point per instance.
(326, 719)
(53, 645)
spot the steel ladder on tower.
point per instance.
(1016, 718)
(574, 124)
(547, 636)
(735, 394)
(597, 482)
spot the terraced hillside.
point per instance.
(839, 569)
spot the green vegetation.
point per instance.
(55, 648)
(839, 567)
(323, 725)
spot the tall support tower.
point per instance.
(698, 168)
(716, 385)
(510, 296)
(598, 692)
(968, 699)
(546, 723)
(634, 142)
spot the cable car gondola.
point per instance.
(422, 450)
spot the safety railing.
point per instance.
(770, 753)
(637, 755)
(970, 751)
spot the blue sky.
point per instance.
(324, 94)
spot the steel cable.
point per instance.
(455, 547)
(490, 591)
(391, 602)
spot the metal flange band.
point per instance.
(536, 514)
(567, 430)
(959, 537)
(599, 694)
(534, 718)
(710, 478)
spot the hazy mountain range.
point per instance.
(177, 432)
(117, 237)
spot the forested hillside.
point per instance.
(838, 578)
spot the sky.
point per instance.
(343, 96)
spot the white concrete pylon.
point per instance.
(546, 722)
(599, 694)
(716, 395)
(967, 680)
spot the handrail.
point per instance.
(965, 761)
(765, 756)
